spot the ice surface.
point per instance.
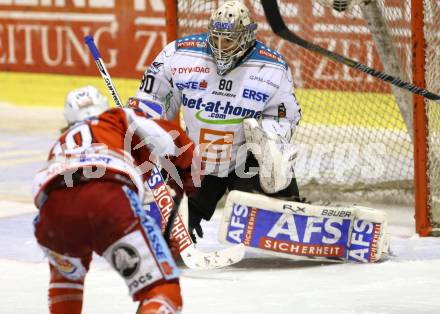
(407, 283)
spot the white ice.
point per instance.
(407, 283)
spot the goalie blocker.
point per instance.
(303, 231)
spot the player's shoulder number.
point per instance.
(76, 140)
(147, 83)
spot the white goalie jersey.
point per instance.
(184, 75)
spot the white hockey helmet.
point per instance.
(84, 102)
(231, 32)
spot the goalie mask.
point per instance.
(231, 32)
(83, 103)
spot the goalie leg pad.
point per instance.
(302, 231)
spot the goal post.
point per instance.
(360, 139)
(421, 180)
(171, 19)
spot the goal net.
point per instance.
(356, 134)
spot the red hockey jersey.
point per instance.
(119, 141)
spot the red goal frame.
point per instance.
(420, 119)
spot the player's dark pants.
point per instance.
(213, 188)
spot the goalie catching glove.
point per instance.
(275, 155)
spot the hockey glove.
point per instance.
(194, 227)
(275, 155)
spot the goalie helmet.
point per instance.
(231, 32)
(84, 102)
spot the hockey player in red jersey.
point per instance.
(89, 196)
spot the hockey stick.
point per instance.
(273, 16)
(192, 257)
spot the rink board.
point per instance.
(32, 89)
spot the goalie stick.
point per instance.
(275, 20)
(192, 257)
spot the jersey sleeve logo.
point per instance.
(192, 44)
(270, 55)
(196, 42)
(281, 111)
(154, 68)
(263, 53)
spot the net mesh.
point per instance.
(355, 136)
(432, 59)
